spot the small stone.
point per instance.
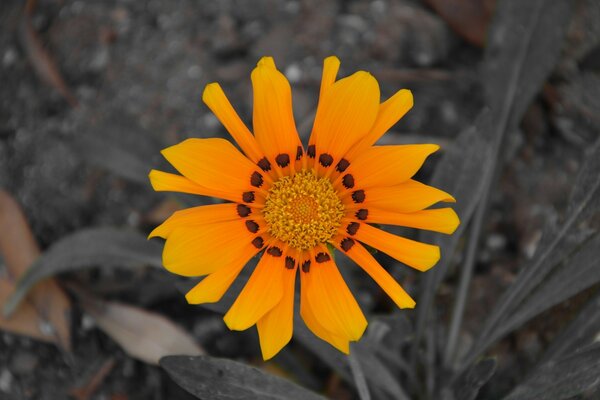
(6, 380)
(293, 73)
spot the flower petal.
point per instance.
(367, 262)
(167, 182)
(308, 315)
(421, 256)
(346, 114)
(442, 220)
(388, 165)
(262, 292)
(331, 66)
(190, 251)
(273, 117)
(390, 111)
(196, 216)
(334, 307)
(214, 97)
(275, 327)
(406, 197)
(216, 165)
(214, 286)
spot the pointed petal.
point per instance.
(214, 97)
(421, 256)
(388, 165)
(367, 262)
(193, 251)
(167, 182)
(406, 197)
(308, 315)
(273, 117)
(442, 220)
(196, 216)
(331, 66)
(276, 327)
(214, 164)
(262, 292)
(346, 114)
(334, 307)
(212, 288)
(390, 111)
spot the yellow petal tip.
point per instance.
(268, 62)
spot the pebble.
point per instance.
(6, 380)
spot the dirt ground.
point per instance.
(80, 131)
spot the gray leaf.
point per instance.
(84, 249)
(220, 379)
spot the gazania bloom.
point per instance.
(293, 204)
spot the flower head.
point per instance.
(293, 204)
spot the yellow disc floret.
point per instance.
(303, 210)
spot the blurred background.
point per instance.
(90, 91)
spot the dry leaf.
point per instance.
(25, 320)
(40, 59)
(142, 334)
(20, 250)
(468, 18)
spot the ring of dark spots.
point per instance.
(348, 181)
(248, 197)
(290, 262)
(283, 160)
(347, 244)
(311, 151)
(299, 153)
(243, 210)
(358, 196)
(306, 266)
(322, 257)
(325, 159)
(275, 251)
(264, 164)
(362, 214)
(252, 226)
(342, 165)
(352, 228)
(256, 179)
(258, 242)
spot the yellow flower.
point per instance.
(294, 203)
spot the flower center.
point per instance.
(303, 210)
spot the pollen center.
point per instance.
(303, 210)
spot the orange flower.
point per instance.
(294, 204)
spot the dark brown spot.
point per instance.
(275, 251)
(256, 179)
(243, 210)
(283, 160)
(299, 153)
(362, 214)
(342, 165)
(253, 226)
(258, 242)
(322, 257)
(325, 159)
(347, 244)
(348, 181)
(264, 164)
(311, 151)
(352, 228)
(290, 263)
(358, 196)
(248, 197)
(306, 266)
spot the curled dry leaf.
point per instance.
(40, 59)
(142, 334)
(48, 305)
(468, 18)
